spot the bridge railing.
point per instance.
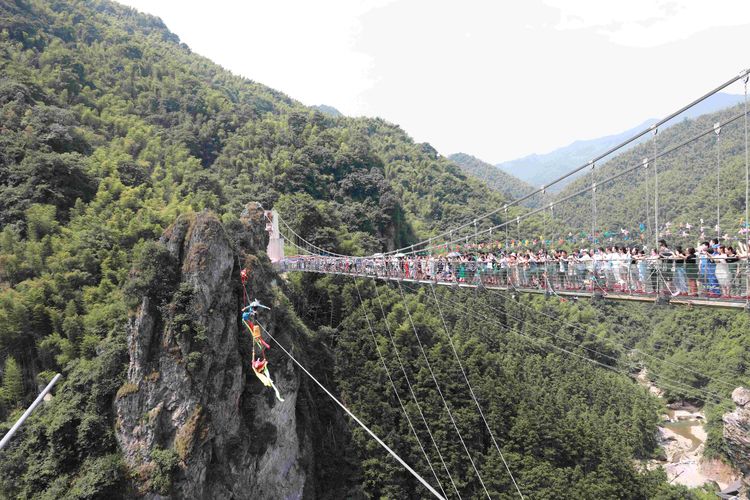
(705, 279)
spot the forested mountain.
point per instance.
(540, 169)
(113, 136)
(511, 187)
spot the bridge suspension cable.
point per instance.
(609, 179)
(598, 158)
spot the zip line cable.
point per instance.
(354, 417)
(624, 347)
(471, 390)
(440, 392)
(411, 390)
(395, 391)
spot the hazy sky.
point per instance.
(497, 79)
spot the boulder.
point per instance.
(737, 431)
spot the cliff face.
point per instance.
(737, 431)
(193, 421)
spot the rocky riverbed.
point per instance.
(682, 436)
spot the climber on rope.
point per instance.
(249, 313)
(260, 367)
(248, 316)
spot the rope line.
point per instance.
(356, 419)
(411, 391)
(471, 390)
(440, 392)
(674, 383)
(395, 391)
(713, 395)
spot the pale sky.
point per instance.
(496, 79)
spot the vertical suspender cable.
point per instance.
(471, 390)
(656, 192)
(395, 391)
(506, 229)
(440, 392)
(354, 417)
(717, 129)
(593, 202)
(747, 206)
(647, 228)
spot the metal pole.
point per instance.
(29, 411)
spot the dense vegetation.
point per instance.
(111, 128)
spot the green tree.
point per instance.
(12, 383)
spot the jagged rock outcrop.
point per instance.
(737, 432)
(193, 422)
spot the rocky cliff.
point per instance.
(193, 421)
(737, 432)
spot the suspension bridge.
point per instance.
(598, 264)
(611, 265)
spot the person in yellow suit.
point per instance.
(260, 367)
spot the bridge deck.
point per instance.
(599, 292)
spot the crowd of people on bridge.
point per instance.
(712, 270)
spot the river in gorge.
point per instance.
(682, 436)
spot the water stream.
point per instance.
(687, 426)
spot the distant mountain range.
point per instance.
(505, 183)
(540, 169)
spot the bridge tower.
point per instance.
(275, 248)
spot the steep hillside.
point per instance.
(511, 187)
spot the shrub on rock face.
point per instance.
(165, 464)
(154, 275)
